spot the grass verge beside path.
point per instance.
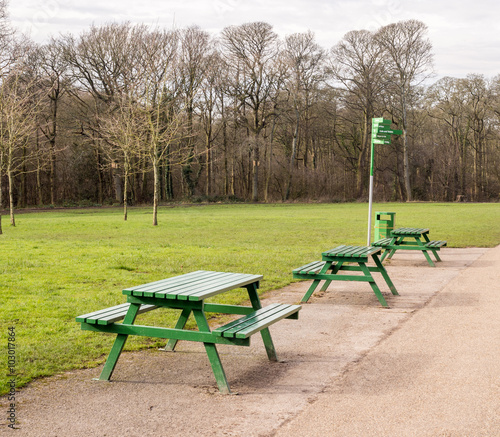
(57, 265)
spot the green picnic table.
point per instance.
(410, 239)
(188, 293)
(339, 259)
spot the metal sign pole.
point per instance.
(381, 134)
(370, 199)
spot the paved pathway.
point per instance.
(437, 375)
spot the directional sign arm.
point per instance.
(390, 131)
(378, 135)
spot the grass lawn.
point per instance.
(60, 264)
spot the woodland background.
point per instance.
(133, 114)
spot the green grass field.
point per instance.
(60, 264)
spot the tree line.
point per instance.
(133, 114)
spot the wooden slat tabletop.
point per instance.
(351, 251)
(410, 231)
(197, 285)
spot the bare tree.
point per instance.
(195, 52)
(303, 58)
(408, 60)
(5, 58)
(54, 67)
(7, 39)
(357, 64)
(162, 120)
(479, 99)
(173, 106)
(447, 102)
(18, 114)
(104, 60)
(250, 51)
(123, 129)
(211, 108)
(105, 63)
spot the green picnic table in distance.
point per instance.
(341, 259)
(410, 239)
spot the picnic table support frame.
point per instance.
(213, 354)
(118, 345)
(397, 242)
(265, 333)
(181, 323)
(419, 246)
(203, 327)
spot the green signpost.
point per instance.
(381, 134)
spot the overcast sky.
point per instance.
(465, 34)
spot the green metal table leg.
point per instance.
(385, 275)
(334, 271)
(325, 285)
(424, 251)
(118, 345)
(373, 284)
(181, 323)
(310, 291)
(395, 241)
(213, 354)
(316, 282)
(386, 252)
(265, 333)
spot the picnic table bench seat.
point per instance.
(243, 327)
(254, 322)
(309, 269)
(436, 244)
(387, 242)
(382, 243)
(111, 315)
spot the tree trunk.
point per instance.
(208, 180)
(39, 190)
(187, 169)
(11, 197)
(156, 190)
(292, 156)
(23, 197)
(226, 164)
(1, 185)
(169, 181)
(269, 162)
(39, 185)
(255, 171)
(406, 161)
(100, 187)
(53, 178)
(125, 187)
(117, 179)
